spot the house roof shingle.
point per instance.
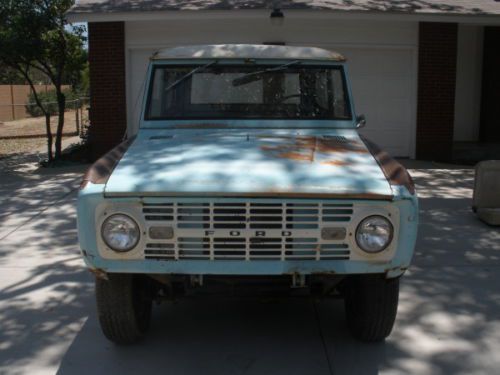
(437, 7)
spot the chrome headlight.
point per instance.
(374, 234)
(120, 232)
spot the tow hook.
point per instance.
(196, 280)
(395, 272)
(99, 273)
(298, 280)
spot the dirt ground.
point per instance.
(28, 134)
(36, 126)
(16, 146)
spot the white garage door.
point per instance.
(383, 83)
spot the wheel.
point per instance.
(371, 304)
(124, 304)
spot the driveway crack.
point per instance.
(322, 336)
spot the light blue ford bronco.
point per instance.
(247, 170)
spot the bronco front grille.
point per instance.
(247, 230)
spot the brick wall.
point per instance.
(490, 98)
(436, 90)
(107, 85)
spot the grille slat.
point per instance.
(286, 231)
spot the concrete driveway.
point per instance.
(448, 321)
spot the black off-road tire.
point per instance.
(371, 304)
(124, 307)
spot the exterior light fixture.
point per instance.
(277, 17)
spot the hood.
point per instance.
(249, 163)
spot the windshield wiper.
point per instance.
(256, 76)
(187, 75)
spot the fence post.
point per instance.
(13, 108)
(77, 116)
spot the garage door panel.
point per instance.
(391, 88)
(383, 81)
(395, 88)
(377, 60)
(387, 140)
(394, 116)
(386, 114)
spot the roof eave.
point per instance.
(481, 19)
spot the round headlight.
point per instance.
(374, 234)
(120, 232)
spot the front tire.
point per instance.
(371, 304)
(124, 307)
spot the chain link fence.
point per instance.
(27, 120)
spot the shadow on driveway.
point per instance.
(231, 336)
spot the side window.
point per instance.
(157, 93)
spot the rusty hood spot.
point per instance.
(306, 148)
(337, 163)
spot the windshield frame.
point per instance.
(295, 122)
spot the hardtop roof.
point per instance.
(247, 51)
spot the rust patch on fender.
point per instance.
(101, 170)
(394, 171)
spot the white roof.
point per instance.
(247, 51)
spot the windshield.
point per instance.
(290, 91)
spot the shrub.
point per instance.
(50, 98)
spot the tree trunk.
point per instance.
(61, 104)
(49, 138)
(25, 74)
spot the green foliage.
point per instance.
(33, 35)
(9, 76)
(84, 84)
(49, 100)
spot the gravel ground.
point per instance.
(36, 125)
(9, 145)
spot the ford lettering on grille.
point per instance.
(247, 230)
